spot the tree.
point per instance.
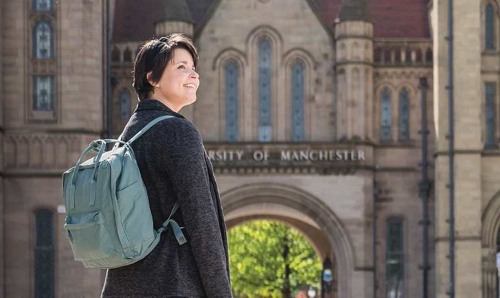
(270, 259)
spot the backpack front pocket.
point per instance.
(88, 236)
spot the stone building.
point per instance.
(312, 112)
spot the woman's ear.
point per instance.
(148, 77)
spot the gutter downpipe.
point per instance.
(424, 189)
(108, 114)
(451, 139)
(374, 232)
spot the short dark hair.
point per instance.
(154, 56)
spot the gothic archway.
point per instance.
(307, 205)
(490, 239)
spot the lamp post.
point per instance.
(498, 268)
(326, 278)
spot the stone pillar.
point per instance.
(354, 63)
(468, 146)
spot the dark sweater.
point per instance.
(175, 167)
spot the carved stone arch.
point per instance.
(228, 54)
(489, 234)
(10, 152)
(23, 149)
(265, 31)
(127, 55)
(299, 53)
(49, 154)
(496, 6)
(116, 54)
(309, 206)
(411, 89)
(36, 152)
(342, 56)
(356, 51)
(62, 152)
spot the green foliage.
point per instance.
(256, 253)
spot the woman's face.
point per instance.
(179, 82)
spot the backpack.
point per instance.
(108, 219)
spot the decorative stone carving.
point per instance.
(35, 153)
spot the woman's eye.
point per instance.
(181, 67)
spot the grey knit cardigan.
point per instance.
(175, 167)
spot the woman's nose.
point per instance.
(194, 74)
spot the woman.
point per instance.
(174, 167)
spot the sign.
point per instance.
(319, 158)
(327, 275)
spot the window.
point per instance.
(394, 259)
(43, 41)
(127, 55)
(404, 115)
(264, 78)
(489, 27)
(43, 93)
(115, 54)
(297, 86)
(385, 115)
(41, 104)
(124, 104)
(490, 95)
(44, 254)
(42, 5)
(231, 74)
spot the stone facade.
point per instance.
(357, 167)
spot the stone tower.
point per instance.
(354, 63)
(469, 166)
(177, 19)
(51, 92)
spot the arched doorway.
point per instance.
(490, 247)
(301, 210)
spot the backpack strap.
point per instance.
(147, 127)
(181, 239)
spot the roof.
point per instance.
(135, 20)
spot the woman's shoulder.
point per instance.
(177, 125)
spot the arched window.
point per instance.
(394, 259)
(43, 93)
(115, 54)
(408, 56)
(418, 56)
(385, 115)
(231, 75)
(397, 55)
(428, 55)
(43, 41)
(490, 95)
(297, 92)
(42, 5)
(127, 55)
(404, 115)
(124, 104)
(489, 27)
(44, 254)
(264, 90)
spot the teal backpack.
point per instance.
(108, 220)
